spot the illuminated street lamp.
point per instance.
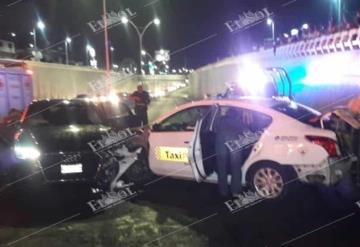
(140, 34)
(157, 21)
(305, 26)
(13, 34)
(41, 25)
(294, 32)
(124, 20)
(67, 43)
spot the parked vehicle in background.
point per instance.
(16, 89)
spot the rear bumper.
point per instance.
(329, 172)
(339, 168)
(34, 173)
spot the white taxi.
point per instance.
(293, 142)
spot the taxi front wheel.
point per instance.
(271, 181)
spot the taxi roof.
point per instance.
(251, 102)
(243, 100)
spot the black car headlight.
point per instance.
(27, 152)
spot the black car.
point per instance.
(74, 141)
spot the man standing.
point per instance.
(142, 100)
(229, 162)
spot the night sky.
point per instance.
(184, 22)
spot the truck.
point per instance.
(16, 89)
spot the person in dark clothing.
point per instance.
(142, 100)
(228, 160)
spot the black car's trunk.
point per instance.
(68, 145)
(66, 138)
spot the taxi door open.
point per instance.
(200, 158)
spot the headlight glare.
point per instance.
(27, 153)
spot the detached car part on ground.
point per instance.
(64, 141)
(296, 144)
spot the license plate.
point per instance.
(71, 168)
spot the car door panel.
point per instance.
(169, 143)
(168, 156)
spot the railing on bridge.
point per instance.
(326, 44)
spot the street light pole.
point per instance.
(140, 35)
(272, 23)
(41, 26)
(66, 53)
(112, 49)
(34, 35)
(106, 39)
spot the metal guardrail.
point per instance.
(337, 42)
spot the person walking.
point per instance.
(142, 101)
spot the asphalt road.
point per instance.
(178, 213)
(170, 212)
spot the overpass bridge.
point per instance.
(324, 70)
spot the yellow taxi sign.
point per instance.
(175, 154)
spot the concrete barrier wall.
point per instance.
(66, 81)
(63, 81)
(155, 84)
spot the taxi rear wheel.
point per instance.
(271, 181)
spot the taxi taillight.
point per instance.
(328, 144)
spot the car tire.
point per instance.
(271, 181)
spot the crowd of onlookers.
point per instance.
(311, 32)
